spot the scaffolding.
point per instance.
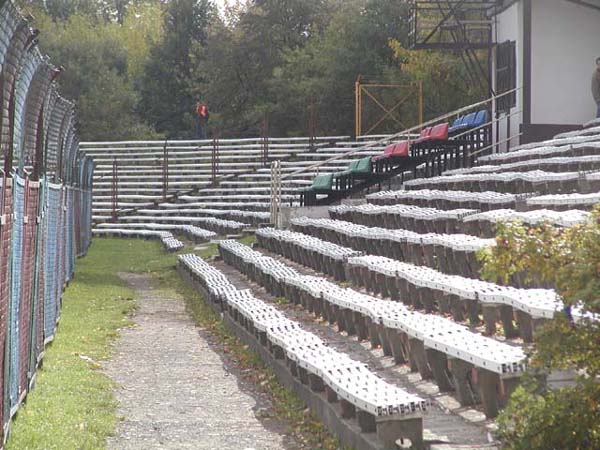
(463, 26)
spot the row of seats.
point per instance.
(429, 289)
(197, 235)
(219, 226)
(170, 243)
(325, 255)
(484, 224)
(432, 198)
(509, 182)
(429, 135)
(377, 405)
(469, 221)
(407, 217)
(550, 164)
(253, 218)
(484, 201)
(564, 202)
(436, 347)
(437, 137)
(470, 121)
(450, 253)
(575, 146)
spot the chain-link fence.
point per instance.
(45, 205)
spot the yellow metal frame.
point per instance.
(410, 91)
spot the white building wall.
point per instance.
(565, 45)
(509, 27)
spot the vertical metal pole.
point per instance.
(275, 193)
(508, 132)
(312, 125)
(358, 111)
(165, 171)
(215, 157)
(265, 141)
(114, 191)
(420, 102)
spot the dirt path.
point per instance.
(174, 390)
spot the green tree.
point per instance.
(96, 73)
(537, 417)
(324, 71)
(166, 94)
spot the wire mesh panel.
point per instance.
(37, 326)
(60, 262)
(77, 221)
(16, 266)
(5, 246)
(50, 261)
(27, 278)
(70, 230)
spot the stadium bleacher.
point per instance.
(396, 269)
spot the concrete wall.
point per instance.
(565, 45)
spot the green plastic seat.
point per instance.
(322, 182)
(363, 165)
(349, 170)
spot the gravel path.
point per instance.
(174, 391)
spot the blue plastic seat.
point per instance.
(456, 125)
(481, 119)
(469, 120)
(464, 123)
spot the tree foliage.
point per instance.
(166, 97)
(568, 258)
(136, 67)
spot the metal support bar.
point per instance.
(265, 141)
(115, 191)
(312, 125)
(275, 193)
(165, 171)
(215, 158)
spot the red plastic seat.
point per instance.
(439, 132)
(393, 150)
(401, 149)
(424, 136)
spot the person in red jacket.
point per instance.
(201, 115)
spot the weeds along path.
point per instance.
(173, 389)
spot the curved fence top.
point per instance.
(37, 126)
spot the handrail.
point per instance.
(400, 134)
